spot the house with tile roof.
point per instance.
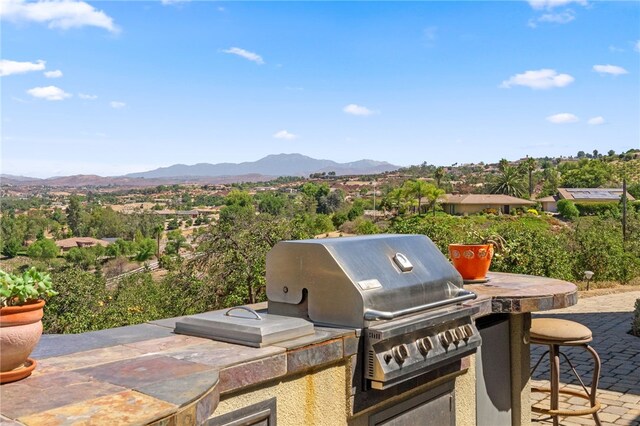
(463, 204)
(69, 243)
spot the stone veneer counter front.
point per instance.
(146, 374)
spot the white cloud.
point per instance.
(615, 49)
(562, 118)
(283, 134)
(245, 54)
(540, 79)
(117, 104)
(610, 69)
(170, 2)
(62, 14)
(86, 96)
(637, 46)
(354, 109)
(596, 121)
(53, 74)
(50, 93)
(550, 4)
(8, 67)
(557, 18)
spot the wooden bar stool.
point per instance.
(556, 333)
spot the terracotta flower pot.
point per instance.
(471, 260)
(20, 331)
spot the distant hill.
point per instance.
(4, 178)
(271, 165)
(262, 170)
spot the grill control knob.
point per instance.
(468, 330)
(424, 345)
(446, 337)
(462, 334)
(457, 335)
(400, 353)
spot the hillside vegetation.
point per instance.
(217, 259)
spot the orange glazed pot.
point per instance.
(471, 260)
(20, 331)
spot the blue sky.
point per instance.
(109, 88)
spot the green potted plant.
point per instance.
(473, 258)
(21, 310)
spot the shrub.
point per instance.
(534, 250)
(43, 249)
(338, 219)
(365, 227)
(568, 209)
(78, 305)
(599, 209)
(598, 247)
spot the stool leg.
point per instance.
(594, 380)
(554, 365)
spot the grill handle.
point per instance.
(372, 314)
(244, 308)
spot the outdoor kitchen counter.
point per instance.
(517, 293)
(146, 374)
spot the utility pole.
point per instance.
(624, 208)
(374, 202)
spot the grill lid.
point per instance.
(351, 281)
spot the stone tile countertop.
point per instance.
(146, 374)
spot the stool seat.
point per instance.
(559, 331)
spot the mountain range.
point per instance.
(271, 165)
(264, 169)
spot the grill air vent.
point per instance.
(370, 359)
(374, 335)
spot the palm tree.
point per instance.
(438, 175)
(418, 189)
(158, 229)
(530, 165)
(509, 182)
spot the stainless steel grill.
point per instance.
(399, 289)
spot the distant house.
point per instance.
(583, 195)
(191, 213)
(69, 243)
(476, 203)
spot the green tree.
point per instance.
(11, 234)
(509, 182)
(568, 209)
(234, 252)
(43, 249)
(175, 241)
(78, 305)
(74, 210)
(146, 249)
(238, 198)
(365, 227)
(356, 210)
(438, 175)
(585, 174)
(85, 258)
(271, 203)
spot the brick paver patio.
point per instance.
(609, 318)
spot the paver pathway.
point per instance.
(609, 318)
